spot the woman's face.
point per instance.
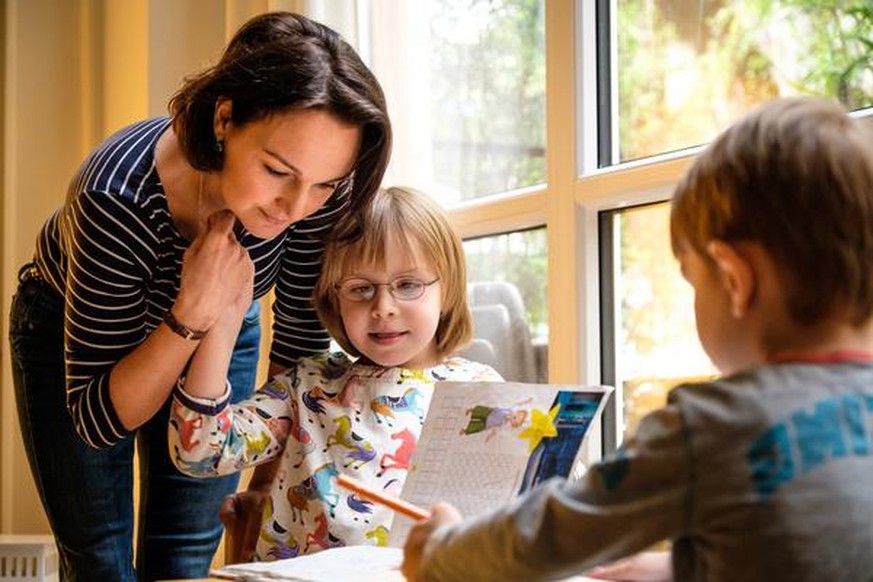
(283, 168)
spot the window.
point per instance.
(688, 68)
(466, 90)
(656, 346)
(507, 291)
(555, 130)
(466, 94)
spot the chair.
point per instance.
(480, 350)
(240, 514)
(500, 320)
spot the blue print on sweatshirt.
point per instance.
(833, 429)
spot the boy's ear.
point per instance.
(222, 117)
(736, 275)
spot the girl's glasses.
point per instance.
(401, 288)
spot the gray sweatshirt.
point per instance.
(766, 475)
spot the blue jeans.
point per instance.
(88, 493)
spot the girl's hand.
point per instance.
(441, 514)
(216, 269)
(643, 567)
(241, 515)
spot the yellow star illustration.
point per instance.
(542, 425)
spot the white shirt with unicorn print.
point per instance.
(325, 416)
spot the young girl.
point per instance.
(395, 299)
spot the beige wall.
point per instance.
(42, 145)
(74, 71)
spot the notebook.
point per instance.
(483, 443)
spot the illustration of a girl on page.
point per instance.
(492, 418)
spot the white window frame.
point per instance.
(575, 194)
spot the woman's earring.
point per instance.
(219, 146)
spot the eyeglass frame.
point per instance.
(390, 284)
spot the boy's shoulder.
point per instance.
(778, 376)
(772, 391)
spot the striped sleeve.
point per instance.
(297, 332)
(109, 250)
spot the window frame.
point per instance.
(585, 181)
(579, 189)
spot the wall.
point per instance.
(43, 138)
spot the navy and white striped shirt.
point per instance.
(114, 253)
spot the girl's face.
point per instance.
(387, 330)
(283, 168)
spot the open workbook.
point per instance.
(482, 444)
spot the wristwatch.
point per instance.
(181, 329)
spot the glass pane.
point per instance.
(688, 68)
(507, 290)
(465, 83)
(656, 336)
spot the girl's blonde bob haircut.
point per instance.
(418, 223)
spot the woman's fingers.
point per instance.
(221, 222)
(216, 271)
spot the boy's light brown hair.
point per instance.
(795, 176)
(412, 217)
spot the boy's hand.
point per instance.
(441, 514)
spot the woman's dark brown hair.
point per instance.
(279, 61)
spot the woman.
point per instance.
(164, 225)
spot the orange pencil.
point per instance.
(395, 503)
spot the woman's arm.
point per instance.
(215, 290)
(207, 373)
(121, 366)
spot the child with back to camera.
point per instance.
(764, 473)
(396, 298)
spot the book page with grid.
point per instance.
(483, 443)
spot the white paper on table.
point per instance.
(359, 563)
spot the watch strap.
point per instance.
(182, 329)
